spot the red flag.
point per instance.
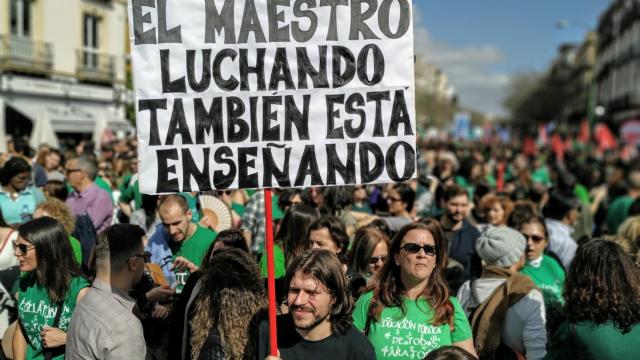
(585, 132)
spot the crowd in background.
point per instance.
(496, 250)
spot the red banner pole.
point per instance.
(500, 178)
(271, 279)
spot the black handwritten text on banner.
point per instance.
(272, 93)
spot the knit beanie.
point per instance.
(501, 246)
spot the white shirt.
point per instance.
(561, 242)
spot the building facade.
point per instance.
(618, 64)
(433, 80)
(62, 67)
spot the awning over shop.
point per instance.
(71, 118)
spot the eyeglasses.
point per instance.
(534, 238)
(23, 248)
(69, 171)
(392, 199)
(413, 248)
(374, 259)
(146, 256)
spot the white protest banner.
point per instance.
(273, 93)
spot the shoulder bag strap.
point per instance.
(24, 332)
(48, 352)
(6, 240)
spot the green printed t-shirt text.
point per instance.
(411, 336)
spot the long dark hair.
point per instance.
(56, 265)
(326, 268)
(603, 285)
(150, 207)
(388, 290)
(292, 234)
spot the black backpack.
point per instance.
(86, 233)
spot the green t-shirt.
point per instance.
(594, 342)
(193, 249)
(104, 186)
(279, 262)
(131, 193)
(35, 310)
(238, 208)
(411, 336)
(541, 175)
(618, 212)
(549, 278)
(582, 193)
(77, 249)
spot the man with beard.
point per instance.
(318, 325)
(461, 235)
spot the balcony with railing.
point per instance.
(23, 54)
(94, 66)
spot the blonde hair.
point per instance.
(58, 210)
(628, 237)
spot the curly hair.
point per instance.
(57, 209)
(503, 201)
(603, 285)
(231, 303)
(388, 290)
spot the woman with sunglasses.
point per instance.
(545, 271)
(408, 311)
(49, 289)
(369, 251)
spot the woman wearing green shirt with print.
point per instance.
(51, 283)
(545, 271)
(409, 311)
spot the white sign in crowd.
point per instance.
(275, 93)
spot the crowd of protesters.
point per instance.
(495, 251)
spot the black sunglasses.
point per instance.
(413, 248)
(534, 238)
(24, 248)
(146, 256)
(375, 259)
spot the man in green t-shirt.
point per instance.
(189, 241)
(619, 208)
